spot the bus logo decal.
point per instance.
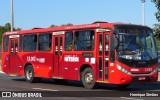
(35, 59)
(71, 58)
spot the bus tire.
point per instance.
(29, 74)
(88, 78)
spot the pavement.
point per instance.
(74, 90)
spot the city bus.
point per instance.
(100, 52)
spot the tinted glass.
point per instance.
(45, 42)
(21, 42)
(30, 42)
(5, 43)
(84, 40)
(68, 41)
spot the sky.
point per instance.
(29, 14)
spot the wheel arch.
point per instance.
(28, 63)
(83, 67)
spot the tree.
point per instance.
(157, 4)
(53, 26)
(3, 29)
(69, 24)
(156, 28)
(6, 28)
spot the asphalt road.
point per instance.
(71, 87)
(59, 91)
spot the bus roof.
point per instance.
(97, 24)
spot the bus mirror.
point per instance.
(115, 41)
(115, 32)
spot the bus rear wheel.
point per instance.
(88, 78)
(29, 75)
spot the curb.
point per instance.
(1, 72)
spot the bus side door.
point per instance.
(103, 56)
(13, 55)
(58, 61)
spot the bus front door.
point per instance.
(58, 40)
(103, 56)
(13, 55)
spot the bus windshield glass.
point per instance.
(136, 44)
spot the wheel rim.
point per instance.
(29, 74)
(88, 78)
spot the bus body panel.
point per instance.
(43, 66)
(5, 63)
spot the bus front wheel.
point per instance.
(88, 78)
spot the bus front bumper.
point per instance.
(137, 78)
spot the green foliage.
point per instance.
(156, 29)
(157, 4)
(68, 24)
(158, 43)
(6, 28)
(3, 29)
(53, 26)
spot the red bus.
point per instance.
(101, 52)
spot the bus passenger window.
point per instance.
(30, 42)
(84, 40)
(5, 43)
(44, 42)
(68, 41)
(20, 43)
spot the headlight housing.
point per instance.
(154, 71)
(123, 70)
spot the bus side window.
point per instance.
(5, 43)
(68, 41)
(20, 43)
(30, 42)
(44, 42)
(84, 40)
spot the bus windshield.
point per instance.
(138, 45)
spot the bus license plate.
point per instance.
(142, 78)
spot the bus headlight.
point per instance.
(154, 71)
(123, 69)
